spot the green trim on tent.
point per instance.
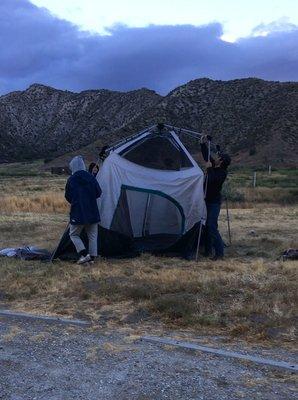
(157, 192)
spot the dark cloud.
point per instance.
(38, 47)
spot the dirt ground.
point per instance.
(252, 292)
(40, 360)
(249, 298)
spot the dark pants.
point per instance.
(213, 238)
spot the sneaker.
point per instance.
(84, 259)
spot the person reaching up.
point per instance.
(216, 173)
(82, 191)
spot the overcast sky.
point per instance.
(124, 45)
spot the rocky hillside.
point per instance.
(255, 120)
(43, 122)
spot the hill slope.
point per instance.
(42, 121)
(255, 120)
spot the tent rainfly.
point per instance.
(152, 198)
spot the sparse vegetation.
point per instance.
(252, 292)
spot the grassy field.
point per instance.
(251, 293)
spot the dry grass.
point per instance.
(251, 293)
(238, 296)
(22, 229)
(41, 203)
(269, 195)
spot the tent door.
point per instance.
(152, 219)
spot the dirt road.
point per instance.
(42, 360)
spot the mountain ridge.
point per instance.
(255, 120)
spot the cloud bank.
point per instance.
(38, 47)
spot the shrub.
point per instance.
(233, 194)
(176, 305)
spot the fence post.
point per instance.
(254, 179)
(269, 169)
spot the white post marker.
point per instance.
(254, 179)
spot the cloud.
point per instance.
(38, 47)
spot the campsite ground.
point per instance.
(250, 296)
(251, 293)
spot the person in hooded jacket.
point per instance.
(82, 191)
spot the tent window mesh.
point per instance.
(157, 152)
(148, 217)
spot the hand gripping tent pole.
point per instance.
(190, 133)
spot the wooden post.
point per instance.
(254, 179)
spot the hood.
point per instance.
(77, 164)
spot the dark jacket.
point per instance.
(81, 191)
(214, 180)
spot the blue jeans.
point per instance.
(213, 238)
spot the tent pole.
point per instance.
(198, 244)
(228, 221)
(128, 138)
(205, 192)
(198, 134)
(188, 132)
(54, 252)
(144, 228)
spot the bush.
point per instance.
(232, 194)
(176, 306)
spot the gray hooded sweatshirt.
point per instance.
(77, 164)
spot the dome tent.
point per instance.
(152, 197)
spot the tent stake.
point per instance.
(228, 221)
(54, 252)
(198, 244)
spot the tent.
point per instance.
(152, 197)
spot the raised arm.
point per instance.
(204, 149)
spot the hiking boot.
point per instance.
(84, 259)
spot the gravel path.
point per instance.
(40, 360)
